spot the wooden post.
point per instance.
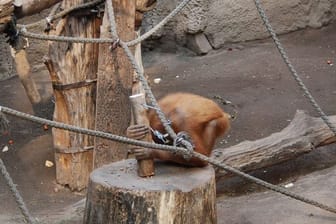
(114, 85)
(74, 69)
(145, 166)
(138, 100)
(176, 194)
(24, 71)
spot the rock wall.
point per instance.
(224, 21)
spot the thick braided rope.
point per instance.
(173, 149)
(137, 69)
(26, 214)
(143, 37)
(160, 24)
(193, 153)
(223, 166)
(265, 184)
(37, 36)
(291, 67)
(90, 132)
(52, 17)
(147, 89)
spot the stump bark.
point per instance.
(176, 195)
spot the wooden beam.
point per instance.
(71, 64)
(114, 85)
(24, 72)
(145, 166)
(302, 135)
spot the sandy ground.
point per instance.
(252, 76)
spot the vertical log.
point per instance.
(24, 71)
(73, 64)
(114, 85)
(145, 166)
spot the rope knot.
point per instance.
(115, 44)
(184, 140)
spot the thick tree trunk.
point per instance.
(301, 136)
(138, 99)
(74, 72)
(179, 195)
(114, 85)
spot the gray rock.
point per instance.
(198, 43)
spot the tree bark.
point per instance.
(179, 195)
(74, 72)
(301, 136)
(114, 86)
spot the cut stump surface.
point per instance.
(176, 195)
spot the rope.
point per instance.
(90, 132)
(265, 184)
(27, 34)
(149, 93)
(61, 14)
(172, 149)
(143, 37)
(291, 67)
(193, 153)
(28, 218)
(160, 24)
(165, 122)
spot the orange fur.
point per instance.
(200, 117)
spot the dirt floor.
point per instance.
(252, 76)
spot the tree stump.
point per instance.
(177, 194)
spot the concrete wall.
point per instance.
(224, 21)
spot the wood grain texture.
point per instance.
(179, 195)
(74, 62)
(114, 86)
